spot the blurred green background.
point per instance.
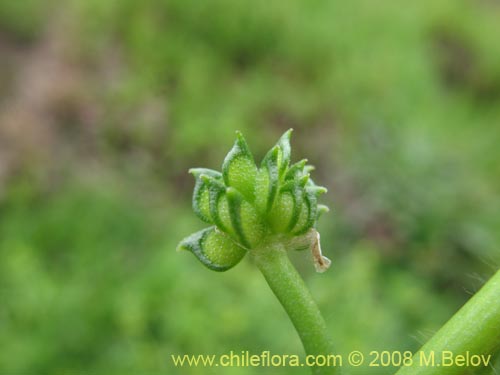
(105, 104)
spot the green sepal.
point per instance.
(322, 209)
(312, 201)
(216, 190)
(304, 180)
(196, 172)
(300, 182)
(282, 159)
(288, 186)
(234, 200)
(286, 151)
(270, 164)
(310, 210)
(283, 211)
(316, 190)
(213, 248)
(309, 168)
(298, 201)
(201, 195)
(279, 214)
(296, 170)
(309, 215)
(262, 191)
(239, 169)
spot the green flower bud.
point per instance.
(249, 205)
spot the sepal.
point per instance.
(268, 189)
(283, 153)
(239, 169)
(286, 151)
(245, 219)
(217, 204)
(296, 170)
(308, 214)
(322, 209)
(234, 200)
(316, 190)
(283, 211)
(201, 197)
(213, 248)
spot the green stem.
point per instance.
(475, 329)
(295, 297)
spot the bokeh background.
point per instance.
(105, 104)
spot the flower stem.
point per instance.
(475, 329)
(294, 296)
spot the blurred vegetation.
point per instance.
(104, 105)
